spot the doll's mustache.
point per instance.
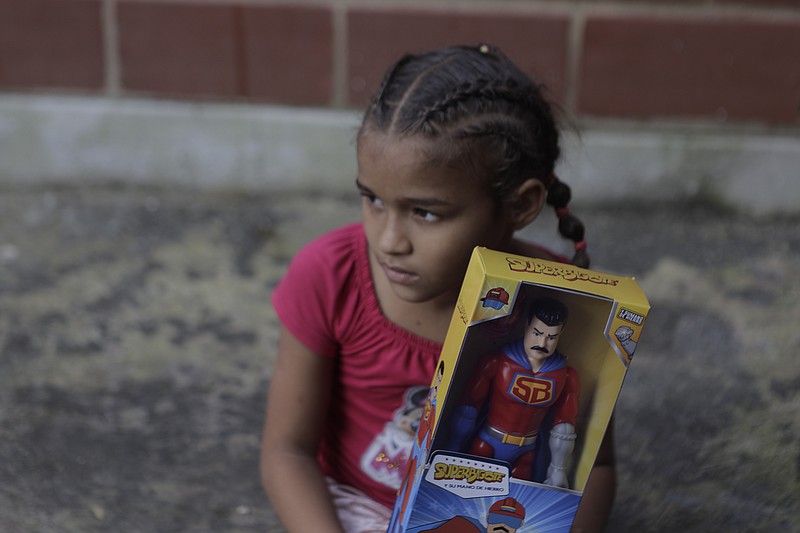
(540, 349)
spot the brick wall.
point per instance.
(722, 62)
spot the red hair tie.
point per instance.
(580, 245)
(562, 212)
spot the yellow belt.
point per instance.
(507, 438)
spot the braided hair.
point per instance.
(483, 112)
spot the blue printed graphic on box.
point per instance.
(461, 495)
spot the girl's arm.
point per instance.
(598, 496)
(299, 393)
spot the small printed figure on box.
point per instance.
(518, 388)
(428, 418)
(496, 298)
(623, 335)
(419, 451)
(504, 516)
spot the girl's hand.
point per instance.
(598, 495)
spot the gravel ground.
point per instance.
(136, 341)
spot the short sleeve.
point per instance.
(306, 298)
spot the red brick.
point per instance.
(646, 3)
(719, 69)
(761, 3)
(179, 48)
(289, 54)
(377, 38)
(51, 44)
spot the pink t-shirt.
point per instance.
(327, 301)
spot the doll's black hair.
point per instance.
(549, 310)
(484, 113)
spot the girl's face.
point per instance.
(422, 220)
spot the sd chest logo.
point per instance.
(532, 390)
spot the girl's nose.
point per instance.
(394, 239)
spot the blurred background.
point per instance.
(162, 160)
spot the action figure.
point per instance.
(518, 387)
(506, 516)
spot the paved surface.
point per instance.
(136, 339)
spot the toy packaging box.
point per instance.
(530, 371)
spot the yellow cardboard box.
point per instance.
(450, 488)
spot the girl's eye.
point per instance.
(373, 200)
(426, 215)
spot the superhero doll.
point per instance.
(514, 391)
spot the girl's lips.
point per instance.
(399, 276)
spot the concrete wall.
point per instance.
(674, 98)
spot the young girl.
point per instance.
(456, 150)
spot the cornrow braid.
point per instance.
(480, 90)
(379, 107)
(483, 113)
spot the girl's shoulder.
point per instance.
(330, 254)
(323, 288)
(338, 241)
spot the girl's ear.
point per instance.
(527, 203)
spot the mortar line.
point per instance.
(111, 52)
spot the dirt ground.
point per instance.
(137, 337)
